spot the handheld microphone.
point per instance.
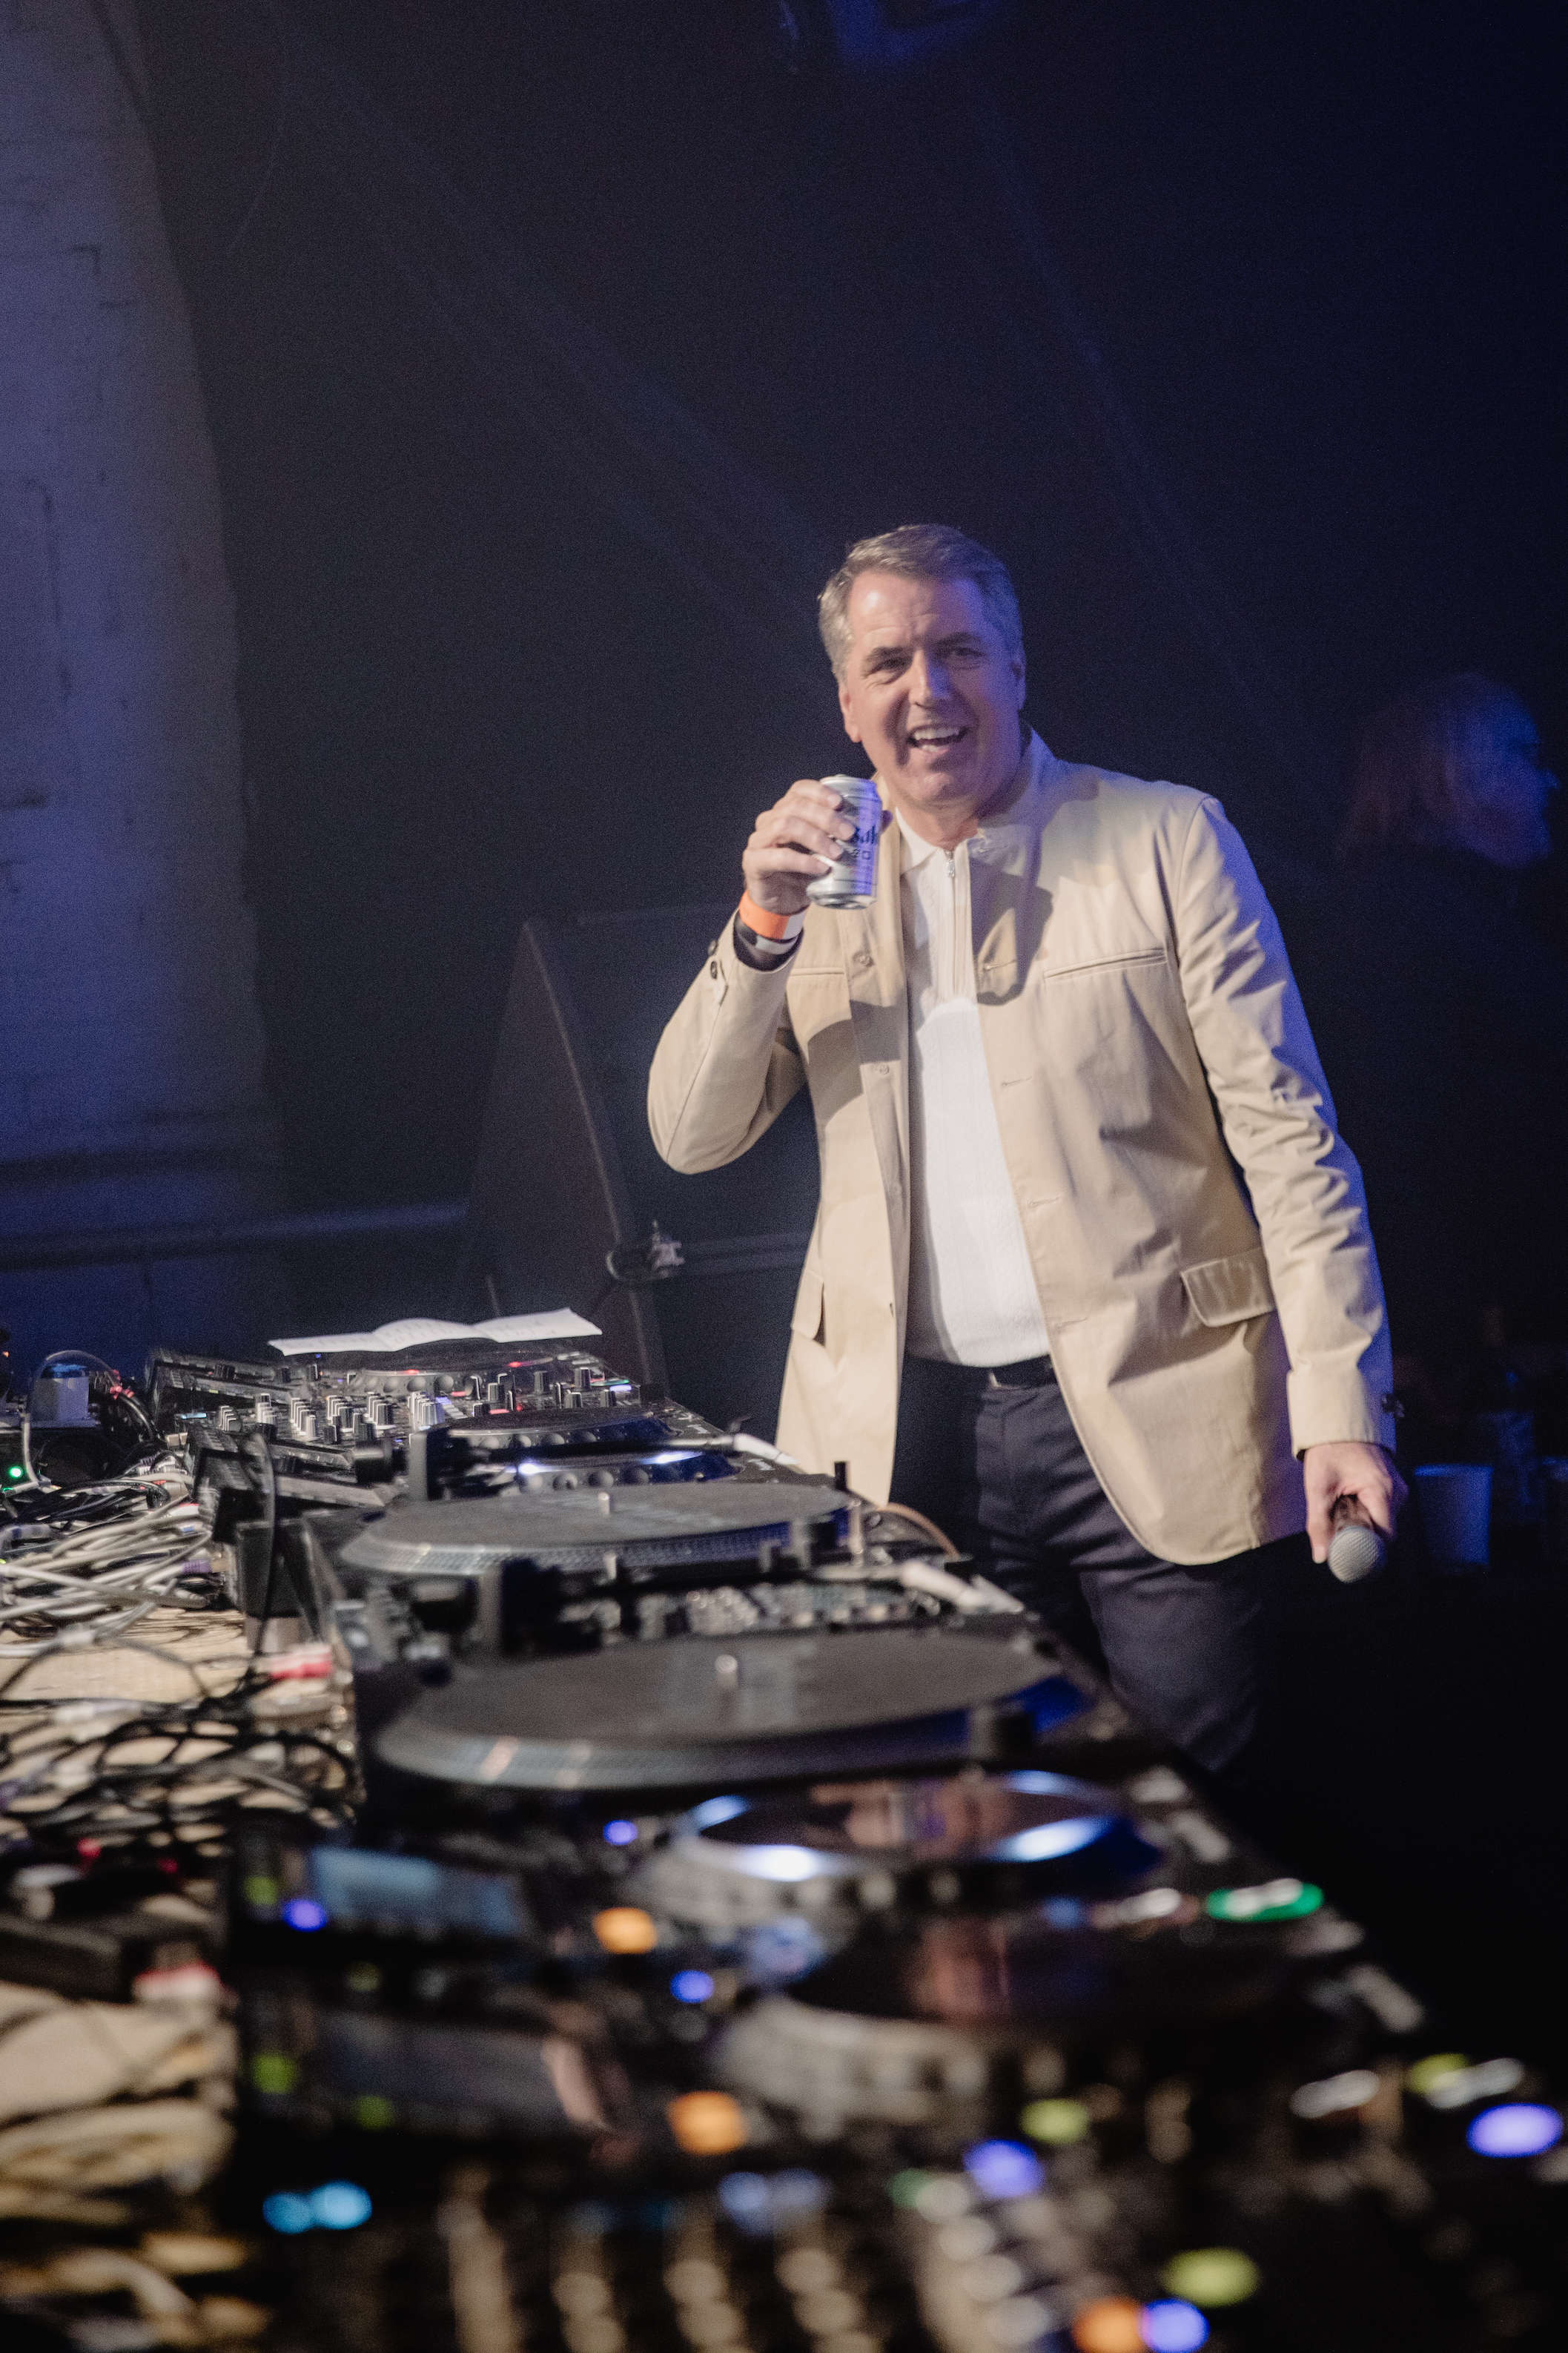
(1356, 1550)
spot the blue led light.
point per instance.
(692, 1985)
(288, 2213)
(1004, 2168)
(620, 1833)
(745, 2198)
(1172, 2327)
(303, 1913)
(1521, 2129)
(714, 1811)
(339, 2206)
(1049, 1839)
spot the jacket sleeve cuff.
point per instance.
(1329, 1407)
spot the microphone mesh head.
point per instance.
(1355, 1552)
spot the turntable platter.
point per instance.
(715, 1710)
(468, 1535)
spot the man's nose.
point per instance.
(932, 682)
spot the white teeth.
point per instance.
(929, 736)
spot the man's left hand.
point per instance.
(1344, 1466)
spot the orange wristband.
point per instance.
(765, 925)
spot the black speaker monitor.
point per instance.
(567, 1173)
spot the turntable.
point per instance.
(708, 1711)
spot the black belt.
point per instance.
(1029, 1373)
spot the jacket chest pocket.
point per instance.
(1080, 1009)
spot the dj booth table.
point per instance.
(548, 1873)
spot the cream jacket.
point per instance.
(1196, 1229)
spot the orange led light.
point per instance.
(1109, 2325)
(707, 2123)
(625, 1929)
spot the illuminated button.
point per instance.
(1212, 2276)
(1174, 2327)
(1428, 2074)
(1004, 2168)
(1276, 1899)
(1056, 2123)
(620, 1833)
(271, 2072)
(288, 2214)
(707, 2123)
(339, 2206)
(692, 1985)
(625, 1929)
(905, 2188)
(304, 1915)
(1521, 2129)
(261, 1893)
(1109, 2325)
(748, 2202)
(1489, 2081)
(372, 2114)
(1335, 2093)
(941, 2196)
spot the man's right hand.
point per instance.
(795, 843)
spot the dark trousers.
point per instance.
(1190, 1650)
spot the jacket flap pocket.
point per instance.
(1229, 1290)
(807, 1321)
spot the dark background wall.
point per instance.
(553, 353)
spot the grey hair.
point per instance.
(919, 551)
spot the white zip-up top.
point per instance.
(972, 1299)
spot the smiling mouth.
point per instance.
(936, 739)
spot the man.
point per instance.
(1091, 1268)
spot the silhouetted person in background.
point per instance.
(1442, 1019)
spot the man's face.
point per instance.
(931, 691)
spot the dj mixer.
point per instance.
(744, 1926)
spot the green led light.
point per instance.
(271, 2071)
(1056, 2123)
(1428, 2074)
(1212, 2276)
(372, 2114)
(261, 1893)
(1278, 1899)
(904, 2189)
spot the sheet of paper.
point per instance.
(419, 1331)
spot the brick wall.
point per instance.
(131, 1048)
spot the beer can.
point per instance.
(851, 881)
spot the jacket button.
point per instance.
(713, 969)
(863, 955)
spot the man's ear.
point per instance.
(850, 727)
(1018, 672)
